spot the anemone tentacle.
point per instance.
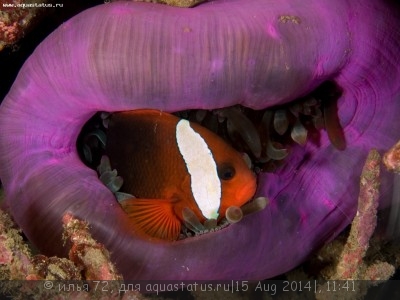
(126, 55)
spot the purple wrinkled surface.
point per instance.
(125, 56)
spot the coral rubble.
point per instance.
(16, 17)
(177, 3)
(88, 260)
(391, 159)
(346, 257)
(342, 259)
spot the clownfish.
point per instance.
(172, 166)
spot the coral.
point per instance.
(15, 19)
(182, 3)
(391, 159)
(311, 198)
(177, 3)
(345, 41)
(86, 253)
(346, 258)
(351, 263)
(362, 228)
(15, 256)
(89, 260)
(54, 268)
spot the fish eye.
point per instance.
(226, 172)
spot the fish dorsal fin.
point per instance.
(154, 217)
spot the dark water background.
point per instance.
(13, 57)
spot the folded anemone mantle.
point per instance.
(257, 53)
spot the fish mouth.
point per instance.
(312, 196)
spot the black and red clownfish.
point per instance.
(173, 166)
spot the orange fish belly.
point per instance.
(142, 146)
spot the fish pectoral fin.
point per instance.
(154, 217)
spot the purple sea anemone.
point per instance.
(258, 53)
